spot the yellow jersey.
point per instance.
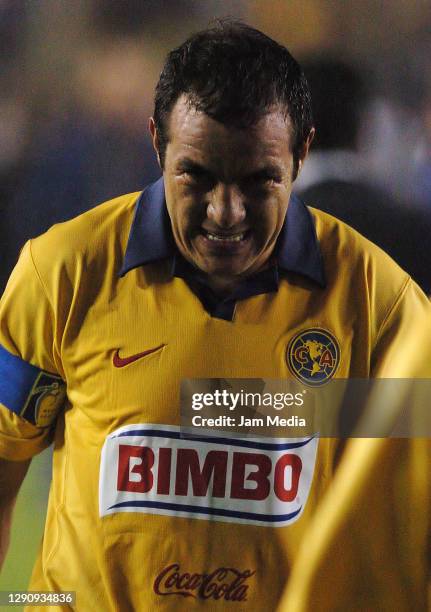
(100, 322)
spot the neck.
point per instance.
(222, 287)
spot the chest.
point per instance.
(125, 356)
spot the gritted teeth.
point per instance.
(221, 238)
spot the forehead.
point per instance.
(195, 135)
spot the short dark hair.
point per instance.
(235, 74)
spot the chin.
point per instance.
(224, 269)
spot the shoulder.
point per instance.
(401, 230)
(362, 280)
(96, 237)
(345, 250)
(88, 230)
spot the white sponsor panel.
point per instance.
(154, 469)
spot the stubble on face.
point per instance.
(227, 191)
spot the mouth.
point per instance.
(225, 238)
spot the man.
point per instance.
(214, 271)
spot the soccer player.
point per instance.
(214, 271)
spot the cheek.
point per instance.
(193, 204)
(269, 216)
(185, 217)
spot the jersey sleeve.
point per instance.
(384, 483)
(32, 387)
(389, 356)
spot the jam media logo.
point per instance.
(153, 469)
(225, 583)
(313, 356)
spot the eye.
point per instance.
(262, 179)
(198, 176)
(195, 174)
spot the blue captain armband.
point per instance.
(31, 393)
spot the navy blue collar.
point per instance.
(151, 239)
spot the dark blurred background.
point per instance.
(77, 81)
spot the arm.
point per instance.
(11, 476)
(31, 388)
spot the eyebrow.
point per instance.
(268, 170)
(187, 164)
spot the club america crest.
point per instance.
(313, 356)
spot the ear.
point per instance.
(305, 148)
(154, 137)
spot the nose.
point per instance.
(226, 208)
